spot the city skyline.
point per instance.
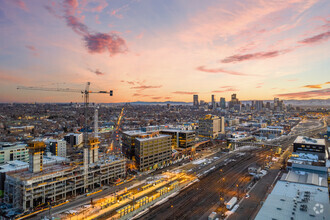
(165, 51)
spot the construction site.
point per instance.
(39, 185)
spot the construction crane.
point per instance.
(85, 93)
(110, 148)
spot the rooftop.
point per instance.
(305, 178)
(177, 130)
(13, 165)
(308, 140)
(47, 170)
(290, 200)
(152, 137)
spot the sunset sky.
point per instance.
(165, 50)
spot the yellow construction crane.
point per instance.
(85, 93)
(110, 148)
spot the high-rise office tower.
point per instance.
(213, 102)
(259, 105)
(196, 101)
(222, 103)
(234, 102)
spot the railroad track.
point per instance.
(211, 198)
(190, 203)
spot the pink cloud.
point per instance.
(254, 56)
(94, 42)
(76, 25)
(143, 87)
(102, 4)
(219, 70)
(97, 72)
(317, 86)
(32, 49)
(259, 85)
(307, 94)
(70, 6)
(52, 11)
(9, 77)
(140, 95)
(115, 12)
(185, 93)
(99, 43)
(229, 18)
(97, 19)
(140, 36)
(225, 89)
(20, 4)
(317, 38)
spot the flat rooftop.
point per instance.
(291, 200)
(308, 140)
(177, 130)
(153, 137)
(305, 178)
(134, 132)
(13, 165)
(47, 170)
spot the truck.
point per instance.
(231, 203)
(212, 216)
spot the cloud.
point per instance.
(140, 95)
(76, 25)
(143, 87)
(274, 53)
(130, 82)
(254, 56)
(115, 12)
(219, 70)
(229, 18)
(307, 94)
(32, 49)
(97, 19)
(20, 4)
(317, 86)
(95, 42)
(99, 43)
(259, 85)
(317, 38)
(156, 97)
(9, 77)
(140, 36)
(97, 72)
(70, 6)
(52, 11)
(99, 6)
(185, 93)
(225, 89)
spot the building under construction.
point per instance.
(39, 185)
